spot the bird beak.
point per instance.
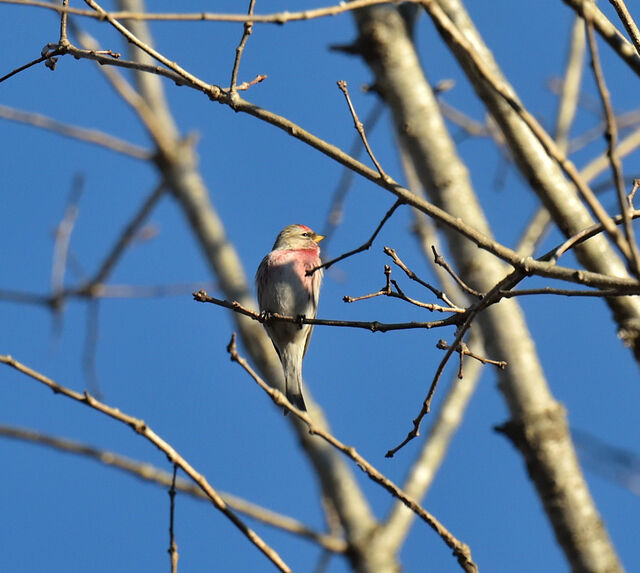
(317, 238)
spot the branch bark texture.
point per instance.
(551, 461)
(177, 162)
(544, 174)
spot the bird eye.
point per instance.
(306, 235)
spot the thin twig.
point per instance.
(414, 277)
(111, 291)
(601, 163)
(90, 348)
(460, 550)
(173, 546)
(334, 217)
(64, 16)
(275, 18)
(603, 293)
(399, 293)
(126, 237)
(632, 193)
(158, 130)
(141, 428)
(360, 128)
(375, 326)
(426, 233)
(535, 232)
(490, 298)
(583, 235)
(570, 93)
(569, 98)
(609, 33)
(463, 350)
(627, 120)
(611, 135)
(63, 236)
(244, 86)
(152, 474)
(28, 65)
(426, 404)
(429, 306)
(139, 291)
(627, 22)
(51, 51)
(441, 261)
(238, 104)
(434, 446)
(25, 297)
(248, 28)
(212, 91)
(182, 77)
(449, 30)
(607, 184)
(495, 294)
(469, 125)
(94, 287)
(94, 136)
(594, 168)
(365, 246)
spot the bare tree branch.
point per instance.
(141, 428)
(277, 18)
(179, 168)
(400, 78)
(609, 33)
(373, 326)
(460, 550)
(173, 546)
(628, 22)
(89, 135)
(611, 135)
(152, 474)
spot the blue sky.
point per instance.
(164, 359)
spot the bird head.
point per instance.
(297, 237)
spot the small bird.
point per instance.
(284, 288)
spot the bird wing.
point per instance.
(306, 342)
(315, 292)
(275, 347)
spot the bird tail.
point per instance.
(293, 390)
(291, 358)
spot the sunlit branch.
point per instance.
(276, 18)
(449, 30)
(141, 428)
(387, 290)
(360, 129)
(460, 550)
(365, 246)
(152, 474)
(611, 136)
(374, 326)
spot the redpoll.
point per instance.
(284, 288)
